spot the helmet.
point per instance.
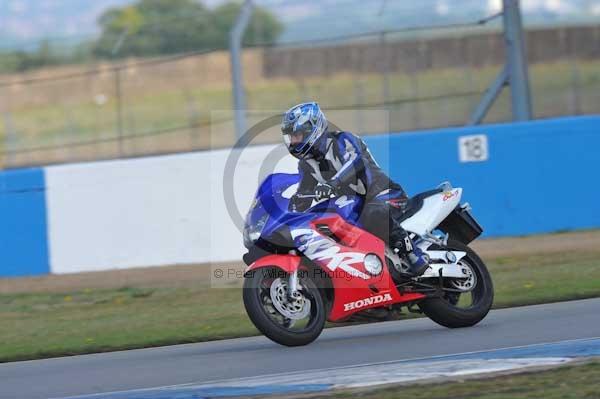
(302, 126)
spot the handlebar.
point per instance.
(311, 196)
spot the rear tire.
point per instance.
(264, 319)
(448, 314)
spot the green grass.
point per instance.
(569, 382)
(36, 325)
(545, 278)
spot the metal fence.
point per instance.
(183, 103)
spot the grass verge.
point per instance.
(41, 118)
(38, 325)
(568, 382)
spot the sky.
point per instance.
(30, 20)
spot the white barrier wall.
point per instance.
(150, 211)
(171, 210)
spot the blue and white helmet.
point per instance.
(302, 126)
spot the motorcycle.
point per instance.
(304, 269)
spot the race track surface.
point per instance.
(247, 357)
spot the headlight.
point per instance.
(252, 231)
(373, 264)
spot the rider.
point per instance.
(338, 163)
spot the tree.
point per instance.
(263, 28)
(155, 27)
(20, 61)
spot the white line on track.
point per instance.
(376, 373)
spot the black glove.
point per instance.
(323, 191)
(299, 204)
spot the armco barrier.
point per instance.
(521, 178)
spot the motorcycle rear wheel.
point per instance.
(446, 310)
(259, 301)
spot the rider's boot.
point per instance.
(418, 261)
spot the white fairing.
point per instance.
(435, 209)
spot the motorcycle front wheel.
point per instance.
(287, 321)
(464, 302)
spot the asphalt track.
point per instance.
(248, 357)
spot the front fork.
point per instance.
(293, 286)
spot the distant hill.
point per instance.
(25, 22)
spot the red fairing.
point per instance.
(288, 263)
(341, 255)
(355, 289)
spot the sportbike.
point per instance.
(320, 265)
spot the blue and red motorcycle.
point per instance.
(318, 265)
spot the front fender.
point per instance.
(287, 263)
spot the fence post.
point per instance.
(359, 99)
(119, 108)
(10, 138)
(575, 103)
(235, 48)
(517, 61)
(70, 129)
(414, 80)
(385, 81)
(193, 119)
(490, 96)
(467, 68)
(515, 71)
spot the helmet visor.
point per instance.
(296, 138)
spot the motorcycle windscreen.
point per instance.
(275, 192)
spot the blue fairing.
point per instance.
(270, 200)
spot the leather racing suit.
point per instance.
(343, 161)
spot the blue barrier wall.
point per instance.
(23, 237)
(537, 177)
(540, 176)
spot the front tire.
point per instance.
(279, 320)
(446, 310)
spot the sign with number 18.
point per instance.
(473, 148)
